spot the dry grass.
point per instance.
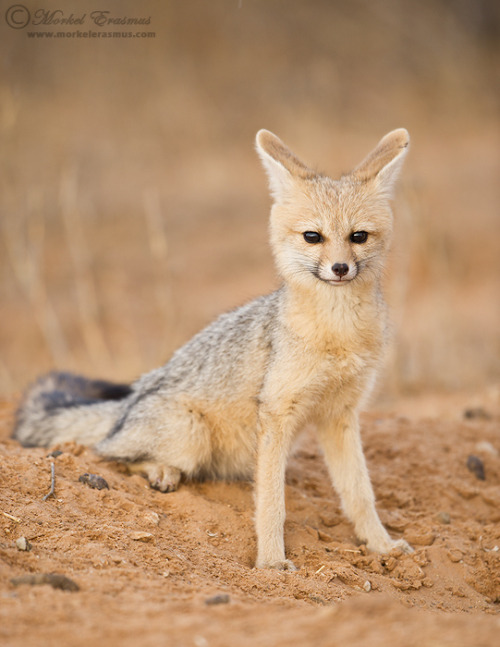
(133, 208)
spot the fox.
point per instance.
(231, 401)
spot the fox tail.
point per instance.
(61, 407)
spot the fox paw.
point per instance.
(161, 477)
(388, 545)
(279, 565)
(164, 478)
(402, 545)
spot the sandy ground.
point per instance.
(151, 567)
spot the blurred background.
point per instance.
(133, 208)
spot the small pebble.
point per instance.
(141, 536)
(486, 448)
(477, 413)
(23, 544)
(367, 586)
(317, 599)
(329, 519)
(455, 555)
(221, 598)
(54, 454)
(420, 537)
(94, 481)
(152, 517)
(55, 580)
(476, 466)
(444, 517)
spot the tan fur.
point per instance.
(230, 402)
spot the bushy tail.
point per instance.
(60, 407)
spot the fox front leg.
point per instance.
(272, 456)
(344, 456)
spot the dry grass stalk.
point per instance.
(158, 246)
(24, 241)
(11, 517)
(88, 305)
(51, 492)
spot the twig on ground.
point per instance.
(9, 516)
(51, 492)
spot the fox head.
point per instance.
(335, 232)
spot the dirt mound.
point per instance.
(178, 568)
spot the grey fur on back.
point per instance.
(234, 350)
(220, 368)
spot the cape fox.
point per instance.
(229, 403)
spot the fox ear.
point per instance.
(384, 163)
(281, 165)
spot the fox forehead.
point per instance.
(337, 206)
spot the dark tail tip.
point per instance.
(56, 391)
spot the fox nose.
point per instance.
(340, 269)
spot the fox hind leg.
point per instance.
(162, 440)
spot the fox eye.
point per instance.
(313, 237)
(358, 237)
